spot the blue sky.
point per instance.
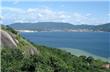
(75, 12)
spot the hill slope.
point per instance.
(104, 27)
(11, 39)
(15, 57)
(42, 26)
(51, 26)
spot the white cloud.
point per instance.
(45, 14)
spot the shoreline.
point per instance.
(79, 52)
(29, 31)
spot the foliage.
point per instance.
(9, 29)
(11, 60)
(49, 60)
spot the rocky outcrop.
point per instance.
(107, 66)
(7, 40)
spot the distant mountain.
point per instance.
(103, 27)
(59, 26)
(42, 26)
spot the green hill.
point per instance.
(104, 27)
(50, 26)
(42, 26)
(18, 56)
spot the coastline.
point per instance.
(79, 52)
(29, 31)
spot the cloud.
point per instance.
(12, 15)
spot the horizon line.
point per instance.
(55, 22)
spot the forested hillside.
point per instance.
(50, 26)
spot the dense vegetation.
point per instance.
(47, 60)
(49, 26)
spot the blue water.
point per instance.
(94, 42)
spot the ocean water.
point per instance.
(97, 43)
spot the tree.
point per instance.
(90, 59)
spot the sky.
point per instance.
(74, 12)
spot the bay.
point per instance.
(97, 43)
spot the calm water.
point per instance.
(94, 42)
